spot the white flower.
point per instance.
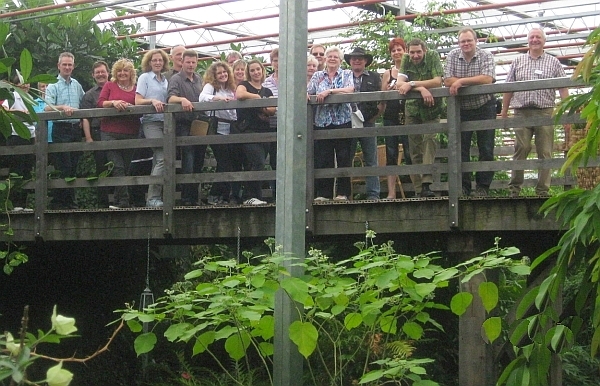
(57, 376)
(11, 346)
(62, 324)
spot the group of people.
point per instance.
(417, 68)
(173, 79)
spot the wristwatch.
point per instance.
(412, 83)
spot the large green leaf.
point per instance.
(296, 288)
(413, 330)
(352, 320)
(175, 331)
(493, 328)
(305, 336)
(26, 65)
(389, 324)
(526, 302)
(488, 292)
(460, 302)
(202, 342)
(144, 343)
(237, 344)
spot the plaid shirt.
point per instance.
(65, 93)
(331, 114)
(482, 63)
(524, 67)
(429, 68)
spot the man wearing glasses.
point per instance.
(318, 51)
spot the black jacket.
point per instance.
(371, 81)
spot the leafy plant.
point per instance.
(540, 330)
(358, 318)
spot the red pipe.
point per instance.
(161, 11)
(44, 8)
(338, 26)
(247, 19)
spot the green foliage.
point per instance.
(374, 34)
(52, 33)
(358, 318)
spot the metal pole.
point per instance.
(152, 27)
(291, 177)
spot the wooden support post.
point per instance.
(475, 356)
(169, 177)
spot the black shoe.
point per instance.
(426, 192)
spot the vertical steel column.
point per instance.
(454, 161)
(169, 178)
(291, 177)
(41, 177)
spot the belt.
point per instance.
(66, 125)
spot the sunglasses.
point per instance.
(319, 54)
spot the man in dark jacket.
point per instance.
(366, 81)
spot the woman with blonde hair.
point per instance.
(312, 65)
(239, 71)
(119, 94)
(152, 90)
(219, 85)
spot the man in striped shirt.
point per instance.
(535, 64)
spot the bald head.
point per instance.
(177, 57)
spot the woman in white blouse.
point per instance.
(219, 85)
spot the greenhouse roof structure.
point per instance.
(211, 26)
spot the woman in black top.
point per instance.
(394, 114)
(254, 120)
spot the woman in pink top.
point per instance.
(119, 94)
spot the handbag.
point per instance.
(357, 119)
(204, 125)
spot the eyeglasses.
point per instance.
(318, 54)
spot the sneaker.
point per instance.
(426, 192)
(513, 194)
(214, 200)
(118, 206)
(321, 199)
(372, 198)
(254, 201)
(341, 198)
(480, 192)
(27, 210)
(155, 203)
(543, 194)
(17, 209)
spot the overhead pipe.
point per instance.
(247, 19)
(161, 11)
(44, 8)
(333, 27)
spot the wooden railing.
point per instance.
(452, 168)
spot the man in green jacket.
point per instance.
(421, 70)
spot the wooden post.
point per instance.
(475, 356)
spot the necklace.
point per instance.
(124, 88)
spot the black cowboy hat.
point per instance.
(359, 52)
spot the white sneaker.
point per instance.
(254, 201)
(341, 198)
(28, 210)
(321, 199)
(17, 209)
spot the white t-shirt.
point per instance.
(19, 105)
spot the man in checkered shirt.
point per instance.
(466, 66)
(535, 64)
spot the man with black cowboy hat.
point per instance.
(366, 81)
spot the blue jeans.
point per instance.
(121, 159)
(154, 129)
(485, 143)
(66, 162)
(255, 155)
(369, 149)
